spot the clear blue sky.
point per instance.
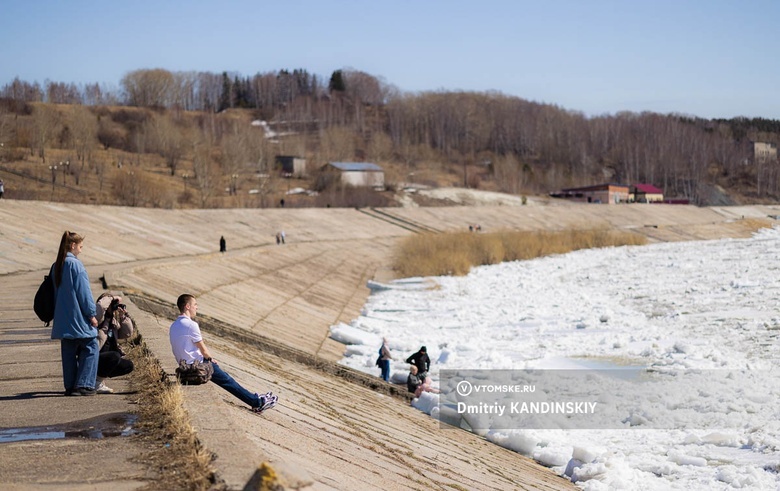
(709, 58)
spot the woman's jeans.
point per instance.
(385, 366)
(79, 362)
(221, 378)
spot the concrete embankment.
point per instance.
(267, 310)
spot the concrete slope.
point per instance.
(31, 231)
(328, 432)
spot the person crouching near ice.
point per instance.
(417, 385)
(188, 345)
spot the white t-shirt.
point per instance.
(184, 333)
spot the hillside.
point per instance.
(171, 158)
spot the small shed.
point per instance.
(291, 166)
(361, 174)
(598, 193)
(647, 193)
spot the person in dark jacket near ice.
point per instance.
(421, 361)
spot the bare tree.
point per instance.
(127, 188)
(206, 175)
(168, 140)
(380, 147)
(84, 128)
(19, 90)
(149, 88)
(46, 120)
(236, 151)
(337, 144)
(62, 93)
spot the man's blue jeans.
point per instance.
(227, 382)
(79, 362)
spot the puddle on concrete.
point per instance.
(106, 426)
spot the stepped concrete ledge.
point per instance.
(266, 312)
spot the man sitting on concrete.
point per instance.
(188, 345)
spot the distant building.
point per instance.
(647, 193)
(358, 173)
(764, 152)
(291, 166)
(599, 193)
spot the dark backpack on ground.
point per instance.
(45, 298)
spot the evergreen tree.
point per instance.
(337, 82)
(226, 99)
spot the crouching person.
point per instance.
(115, 324)
(188, 345)
(417, 385)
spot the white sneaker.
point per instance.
(104, 389)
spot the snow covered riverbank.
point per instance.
(693, 306)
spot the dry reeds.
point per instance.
(183, 463)
(753, 225)
(456, 253)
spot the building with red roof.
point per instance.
(646, 193)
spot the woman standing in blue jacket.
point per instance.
(74, 319)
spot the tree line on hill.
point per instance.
(527, 147)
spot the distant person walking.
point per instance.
(2, 188)
(384, 360)
(222, 244)
(75, 324)
(282, 236)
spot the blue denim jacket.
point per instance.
(74, 306)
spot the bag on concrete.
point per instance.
(196, 374)
(45, 299)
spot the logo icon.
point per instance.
(464, 388)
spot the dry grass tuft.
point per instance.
(265, 478)
(756, 224)
(176, 453)
(456, 253)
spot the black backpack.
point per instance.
(43, 305)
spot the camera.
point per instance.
(116, 305)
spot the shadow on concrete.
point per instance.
(33, 395)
